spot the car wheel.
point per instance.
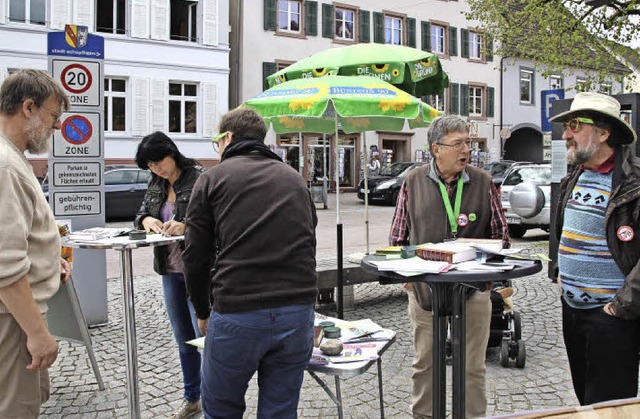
(526, 199)
(516, 231)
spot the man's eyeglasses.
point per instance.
(574, 124)
(215, 139)
(55, 114)
(457, 145)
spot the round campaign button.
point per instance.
(462, 220)
(472, 217)
(625, 233)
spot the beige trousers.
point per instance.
(22, 392)
(478, 319)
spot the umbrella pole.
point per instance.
(366, 197)
(340, 295)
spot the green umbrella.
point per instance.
(417, 72)
(330, 103)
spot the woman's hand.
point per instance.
(152, 225)
(173, 228)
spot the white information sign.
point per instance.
(558, 160)
(81, 81)
(76, 174)
(76, 203)
(79, 136)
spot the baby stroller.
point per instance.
(506, 326)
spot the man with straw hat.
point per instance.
(598, 227)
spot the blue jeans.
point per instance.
(185, 327)
(275, 342)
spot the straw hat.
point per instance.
(605, 106)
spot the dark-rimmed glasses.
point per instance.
(574, 124)
(457, 145)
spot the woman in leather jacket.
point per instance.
(163, 211)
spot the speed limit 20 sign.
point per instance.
(80, 80)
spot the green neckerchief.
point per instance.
(447, 203)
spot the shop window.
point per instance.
(111, 16)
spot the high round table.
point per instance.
(449, 292)
(125, 246)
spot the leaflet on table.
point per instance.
(473, 266)
(364, 330)
(97, 233)
(122, 240)
(351, 352)
(414, 264)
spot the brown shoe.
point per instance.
(188, 409)
(505, 292)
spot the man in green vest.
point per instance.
(445, 200)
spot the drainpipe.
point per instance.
(235, 51)
(501, 103)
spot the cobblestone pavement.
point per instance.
(543, 383)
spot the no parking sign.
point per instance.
(78, 136)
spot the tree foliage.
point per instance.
(562, 35)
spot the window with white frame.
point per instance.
(437, 102)
(183, 107)
(345, 20)
(184, 20)
(605, 88)
(526, 86)
(28, 11)
(289, 15)
(115, 104)
(581, 84)
(438, 39)
(555, 82)
(475, 45)
(393, 30)
(111, 16)
(475, 100)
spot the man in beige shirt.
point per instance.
(31, 104)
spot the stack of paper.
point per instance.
(412, 266)
(97, 233)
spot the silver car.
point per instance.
(525, 196)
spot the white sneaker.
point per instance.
(188, 409)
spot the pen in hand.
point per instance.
(164, 226)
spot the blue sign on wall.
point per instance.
(76, 41)
(548, 96)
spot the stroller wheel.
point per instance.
(504, 353)
(521, 357)
(517, 326)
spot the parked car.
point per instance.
(525, 196)
(124, 188)
(499, 170)
(385, 186)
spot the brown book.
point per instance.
(450, 252)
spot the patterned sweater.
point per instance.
(590, 276)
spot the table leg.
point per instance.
(129, 320)
(439, 292)
(339, 396)
(459, 350)
(379, 362)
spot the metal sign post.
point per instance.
(76, 163)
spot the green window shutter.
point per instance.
(489, 48)
(464, 35)
(464, 99)
(453, 41)
(311, 18)
(490, 102)
(327, 21)
(365, 26)
(267, 70)
(425, 34)
(270, 15)
(411, 32)
(378, 28)
(454, 98)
